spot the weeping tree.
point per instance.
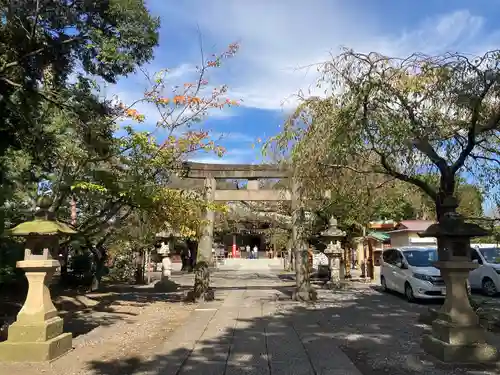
(401, 118)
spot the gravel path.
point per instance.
(134, 324)
(378, 331)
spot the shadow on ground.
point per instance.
(378, 332)
(83, 312)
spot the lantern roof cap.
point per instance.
(44, 223)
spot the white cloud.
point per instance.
(280, 36)
(233, 137)
(181, 71)
(456, 31)
(214, 160)
(243, 155)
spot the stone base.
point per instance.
(464, 354)
(427, 317)
(165, 286)
(11, 351)
(193, 296)
(23, 331)
(336, 285)
(305, 295)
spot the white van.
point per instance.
(409, 270)
(487, 276)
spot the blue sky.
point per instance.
(277, 37)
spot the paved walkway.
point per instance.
(244, 332)
(254, 328)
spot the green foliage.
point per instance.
(10, 252)
(81, 264)
(43, 45)
(56, 128)
(409, 119)
(277, 237)
(123, 269)
(108, 38)
(470, 200)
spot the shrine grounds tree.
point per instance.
(401, 118)
(44, 44)
(57, 128)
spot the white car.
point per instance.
(487, 276)
(409, 270)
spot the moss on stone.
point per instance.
(40, 226)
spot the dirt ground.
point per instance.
(119, 322)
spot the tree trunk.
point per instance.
(303, 290)
(347, 262)
(201, 289)
(139, 268)
(288, 260)
(100, 258)
(370, 269)
(64, 265)
(446, 192)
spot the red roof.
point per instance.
(414, 225)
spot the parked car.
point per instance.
(487, 276)
(409, 270)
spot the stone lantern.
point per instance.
(456, 334)
(37, 334)
(166, 263)
(334, 252)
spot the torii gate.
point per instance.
(210, 173)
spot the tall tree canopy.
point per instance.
(50, 51)
(403, 118)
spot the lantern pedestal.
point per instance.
(456, 333)
(37, 335)
(334, 253)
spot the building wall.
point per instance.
(360, 251)
(404, 238)
(401, 238)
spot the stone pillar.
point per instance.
(166, 268)
(37, 335)
(363, 262)
(207, 233)
(456, 334)
(347, 261)
(335, 270)
(253, 185)
(334, 253)
(369, 264)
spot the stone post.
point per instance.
(166, 263)
(456, 334)
(37, 334)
